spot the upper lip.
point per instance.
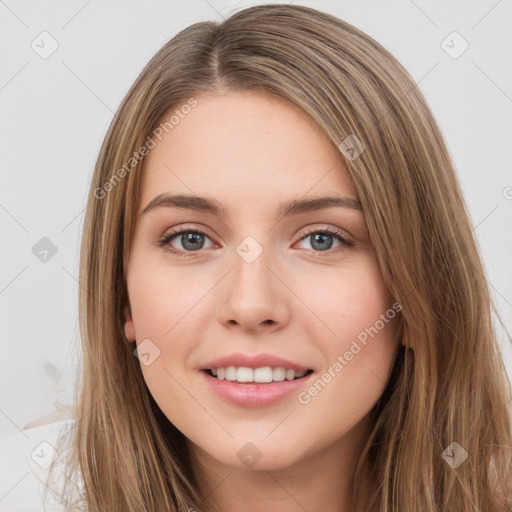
(252, 361)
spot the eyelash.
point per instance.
(168, 237)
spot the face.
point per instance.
(256, 288)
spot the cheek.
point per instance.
(349, 302)
(354, 376)
(358, 347)
(167, 314)
(164, 299)
(168, 309)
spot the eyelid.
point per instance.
(335, 232)
(185, 227)
(176, 231)
(327, 229)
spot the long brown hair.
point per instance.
(448, 383)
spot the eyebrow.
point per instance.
(292, 207)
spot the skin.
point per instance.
(251, 152)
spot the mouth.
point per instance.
(263, 375)
(258, 387)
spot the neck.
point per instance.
(322, 480)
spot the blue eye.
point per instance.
(323, 240)
(193, 240)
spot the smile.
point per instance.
(263, 375)
(253, 393)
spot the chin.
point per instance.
(258, 455)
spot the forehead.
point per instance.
(242, 145)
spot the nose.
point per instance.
(254, 296)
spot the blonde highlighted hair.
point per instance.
(448, 382)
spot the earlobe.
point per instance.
(129, 328)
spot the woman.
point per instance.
(322, 338)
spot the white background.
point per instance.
(55, 113)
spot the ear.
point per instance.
(129, 328)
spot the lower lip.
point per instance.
(254, 395)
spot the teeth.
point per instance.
(230, 373)
(244, 374)
(279, 374)
(260, 375)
